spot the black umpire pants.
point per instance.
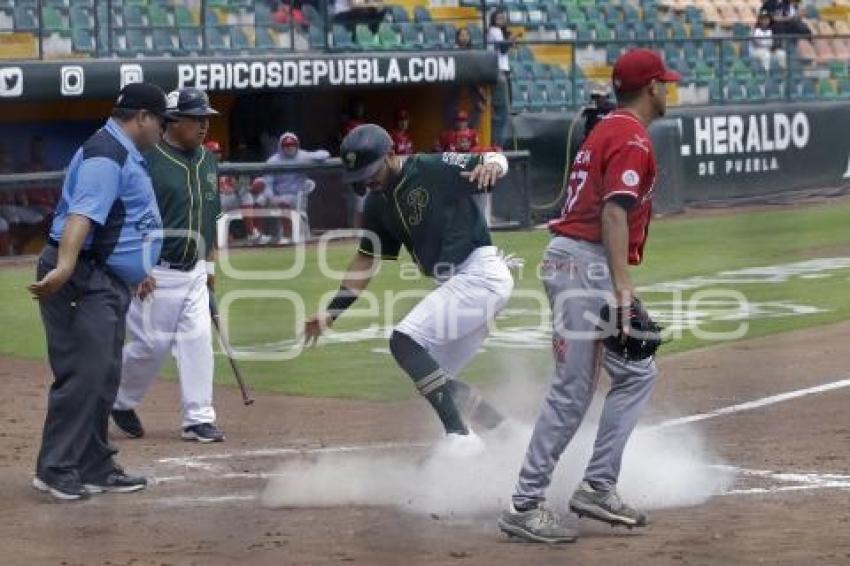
(84, 325)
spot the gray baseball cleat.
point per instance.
(605, 506)
(536, 525)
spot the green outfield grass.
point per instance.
(679, 248)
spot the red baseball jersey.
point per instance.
(402, 144)
(617, 159)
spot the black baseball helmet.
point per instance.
(362, 152)
(189, 101)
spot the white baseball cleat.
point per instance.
(464, 445)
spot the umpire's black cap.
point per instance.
(189, 101)
(144, 96)
(363, 151)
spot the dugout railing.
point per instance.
(331, 205)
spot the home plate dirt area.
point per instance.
(742, 459)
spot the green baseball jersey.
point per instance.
(186, 187)
(430, 211)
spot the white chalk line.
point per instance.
(801, 481)
(756, 404)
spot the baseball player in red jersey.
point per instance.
(602, 230)
(402, 144)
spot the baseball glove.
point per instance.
(641, 338)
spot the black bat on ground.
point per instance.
(225, 344)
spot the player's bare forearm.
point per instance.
(359, 272)
(615, 238)
(73, 236)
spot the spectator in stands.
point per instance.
(787, 19)
(499, 39)
(474, 93)
(762, 46)
(290, 189)
(402, 144)
(286, 14)
(227, 186)
(349, 13)
(600, 105)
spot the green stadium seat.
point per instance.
(679, 31)
(774, 89)
(523, 53)
(736, 92)
(838, 69)
(183, 17)
(660, 32)
(159, 16)
(52, 19)
(365, 38)
(388, 37)
(477, 35)
(449, 34)
(519, 96)
(844, 88)
(575, 15)
(238, 40)
(650, 13)
(537, 98)
(557, 73)
(703, 72)
(741, 31)
(135, 43)
(81, 17)
(631, 13)
(190, 39)
(693, 15)
(556, 97)
(540, 71)
(641, 31)
(622, 31)
(523, 70)
(826, 89)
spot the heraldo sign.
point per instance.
(746, 151)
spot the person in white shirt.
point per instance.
(499, 40)
(762, 44)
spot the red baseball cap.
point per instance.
(638, 67)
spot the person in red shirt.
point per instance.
(402, 144)
(461, 138)
(602, 230)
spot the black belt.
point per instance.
(177, 266)
(85, 254)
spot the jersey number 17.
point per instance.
(574, 186)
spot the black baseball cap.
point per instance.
(189, 101)
(362, 152)
(143, 96)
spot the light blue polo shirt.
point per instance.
(108, 182)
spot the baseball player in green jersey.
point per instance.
(171, 311)
(425, 203)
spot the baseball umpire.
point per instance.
(604, 222)
(177, 316)
(425, 203)
(105, 237)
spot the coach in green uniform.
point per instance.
(424, 203)
(177, 317)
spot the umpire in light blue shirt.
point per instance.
(106, 236)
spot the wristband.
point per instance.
(344, 298)
(210, 268)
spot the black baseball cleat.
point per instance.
(62, 491)
(128, 422)
(204, 433)
(117, 482)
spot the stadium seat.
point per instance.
(264, 39)
(519, 96)
(81, 17)
(388, 37)
(190, 39)
(135, 43)
(556, 97)
(476, 34)
(238, 40)
(808, 89)
(365, 38)
(432, 36)
(134, 16)
(410, 35)
(217, 39)
(826, 89)
(183, 17)
(315, 36)
(774, 89)
(537, 100)
(449, 34)
(341, 38)
(82, 40)
(421, 14)
(164, 41)
(313, 17)
(844, 88)
(540, 71)
(159, 16)
(26, 18)
(52, 19)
